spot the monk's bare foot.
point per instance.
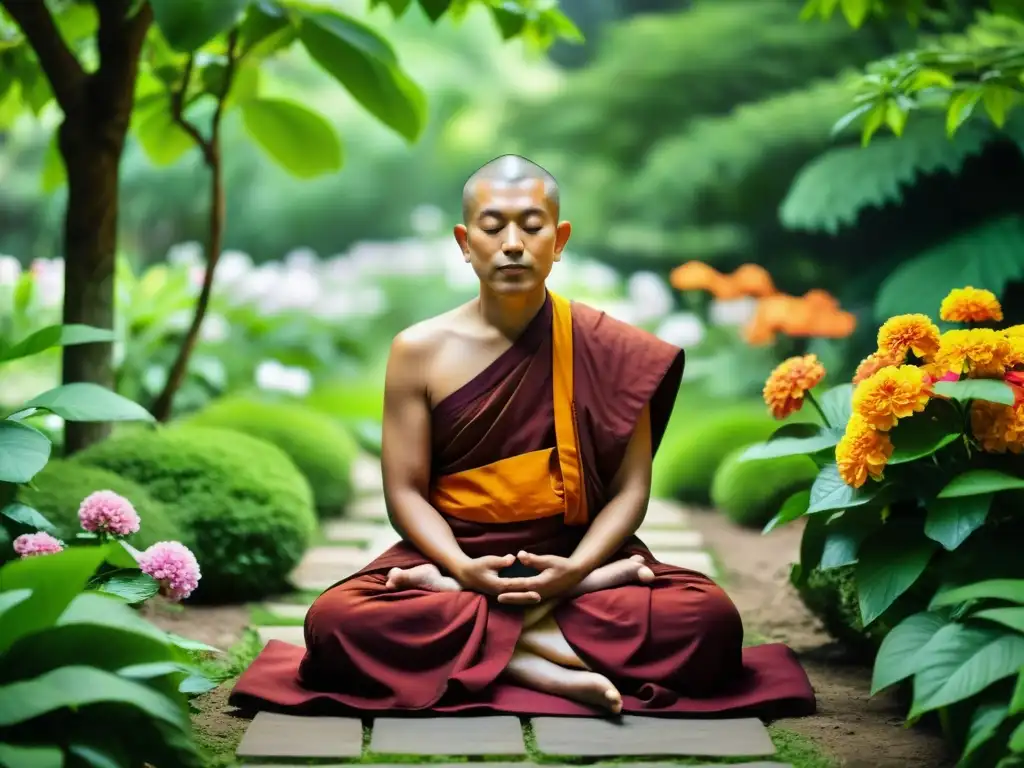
(582, 686)
(546, 640)
(617, 574)
(425, 576)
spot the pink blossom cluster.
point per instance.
(40, 543)
(108, 512)
(174, 566)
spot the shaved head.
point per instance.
(508, 171)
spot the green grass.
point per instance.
(261, 617)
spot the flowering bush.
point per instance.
(919, 458)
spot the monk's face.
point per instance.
(512, 236)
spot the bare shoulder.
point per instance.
(417, 346)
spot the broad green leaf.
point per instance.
(998, 100)
(951, 521)
(107, 610)
(855, 11)
(510, 20)
(1017, 739)
(54, 174)
(191, 645)
(196, 684)
(162, 139)
(888, 564)
(925, 433)
(898, 655)
(976, 389)
(961, 107)
(55, 580)
(1008, 617)
(874, 120)
(844, 535)
(131, 587)
(83, 401)
(301, 141)
(188, 25)
(812, 544)
(895, 117)
(364, 64)
(961, 661)
(829, 492)
(57, 336)
(1011, 590)
(23, 451)
(984, 722)
(14, 756)
(837, 405)
(795, 506)
(793, 440)
(1017, 700)
(94, 757)
(26, 515)
(398, 7)
(12, 598)
(977, 482)
(77, 686)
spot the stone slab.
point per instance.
(292, 635)
(663, 513)
(501, 735)
(287, 610)
(343, 529)
(632, 735)
(368, 509)
(669, 539)
(523, 764)
(323, 566)
(694, 560)
(382, 542)
(275, 735)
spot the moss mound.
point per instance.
(62, 485)
(691, 453)
(751, 492)
(244, 506)
(322, 449)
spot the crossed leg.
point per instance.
(543, 659)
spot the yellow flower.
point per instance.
(1014, 357)
(998, 428)
(908, 333)
(891, 394)
(1014, 331)
(970, 305)
(873, 363)
(980, 352)
(785, 388)
(862, 452)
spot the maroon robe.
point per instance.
(672, 647)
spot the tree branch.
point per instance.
(62, 69)
(119, 39)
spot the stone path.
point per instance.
(362, 534)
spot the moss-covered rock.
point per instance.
(245, 507)
(321, 448)
(751, 492)
(62, 485)
(691, 453)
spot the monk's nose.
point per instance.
(512, 244)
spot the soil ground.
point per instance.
(858, 730)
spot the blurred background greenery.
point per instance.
(679, 131)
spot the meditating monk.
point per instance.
(518, 436)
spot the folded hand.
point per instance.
(481, 575)
(557, 576)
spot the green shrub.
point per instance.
(62, 485)
(321, 449)
(692, 451)
(244, 505)
(751, 492)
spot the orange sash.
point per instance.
(531, 485)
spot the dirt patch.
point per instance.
(219, 626)
(858, 730)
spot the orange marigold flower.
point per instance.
(979, 352)
(784, 391)
(891, 394)
(753, 280)
(970, 305)
(862, 452)
(873, 363)
(998, 428)
(1014, 330)
(909, 333)
(818, 297)
(1014, 355)
(694, 276)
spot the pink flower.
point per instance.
(41, 543)
(174, 566)
(107, 512)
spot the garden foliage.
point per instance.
(919, 461)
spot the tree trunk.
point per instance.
(90, 246)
